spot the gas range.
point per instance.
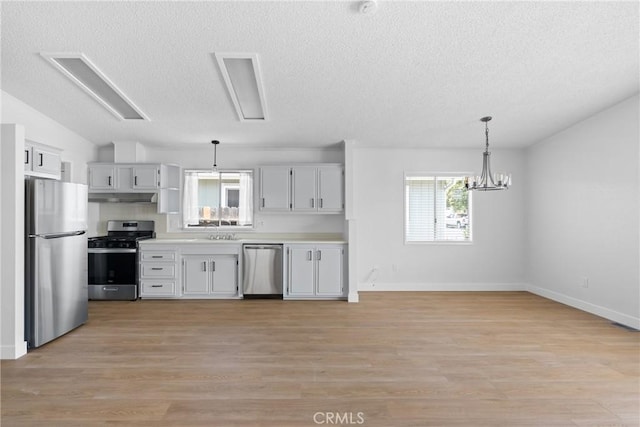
(116, 242)
(113, 260)
(124, 234)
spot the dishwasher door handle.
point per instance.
(272, 247)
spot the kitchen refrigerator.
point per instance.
(56, 289)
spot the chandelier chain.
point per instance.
(486, 133)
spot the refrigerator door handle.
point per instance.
(59, 235)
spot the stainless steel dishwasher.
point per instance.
(262, 276)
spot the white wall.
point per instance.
(12, 343)
(582, 204)
(42, 129)
(22, 122)
(232, 158)
(75, 149)
(494, 261)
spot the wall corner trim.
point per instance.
(12, 352)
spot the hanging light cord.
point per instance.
(215, 153)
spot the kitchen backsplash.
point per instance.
(264, 223)
(146, 211)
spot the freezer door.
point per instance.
(56, 287)
(55, 207)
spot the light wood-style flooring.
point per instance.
(392, 360)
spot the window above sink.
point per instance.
(220, 199)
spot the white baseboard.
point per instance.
(12, 352)
(615, 316)
(410, 286)
(353, 296)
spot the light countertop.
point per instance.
(243, 240)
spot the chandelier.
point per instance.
(487, 181)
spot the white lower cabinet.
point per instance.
(158, 289)
(213, 271)
(210, 275)
(158, 272)
(315, 271)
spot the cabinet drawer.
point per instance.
(157, 270)
(158, 256)
(153, 288)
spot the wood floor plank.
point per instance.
(394, 359)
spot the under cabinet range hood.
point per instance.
(123, 197)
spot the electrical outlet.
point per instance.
(373, 275)
(585, 282)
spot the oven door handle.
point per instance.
(111, 251)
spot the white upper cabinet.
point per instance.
(42, 161)
(313, 188)
(45, 161)
(275, 188)
(304, 188)
(114, 177)
(331, 188)
(162, 179)
(102, 177)
(146, 177)
(143, 178)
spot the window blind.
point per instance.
(436, 209)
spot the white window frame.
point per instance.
(436, 175)
(221, 195)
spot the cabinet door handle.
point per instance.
(26, 162)
(135, 180)
(156, 286)
(309, 255)
(156, 256)
(319, 255)
(263, 202)
(320, 203)
(157, 268)
(213, 266)
(41, 159)
(312, 203)
(109, 180)
(204, 265)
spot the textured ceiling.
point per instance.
(414, 74)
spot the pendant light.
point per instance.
(487, 181)
(215, 153)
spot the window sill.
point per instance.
(441, 242)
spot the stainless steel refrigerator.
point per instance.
(56, 289)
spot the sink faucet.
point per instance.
(225, 236)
